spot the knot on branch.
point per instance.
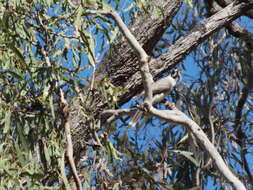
(64, 106)
(145, 107)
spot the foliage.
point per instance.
(51, 45)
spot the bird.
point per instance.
(164, 85)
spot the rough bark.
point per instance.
(180, 49)
(122, 66)
(123, 63)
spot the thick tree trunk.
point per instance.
(122, 65)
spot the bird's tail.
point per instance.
(135, 118)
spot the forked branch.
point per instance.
(174, 115)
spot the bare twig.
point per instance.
(46, 58)
(63, 171)
(65, 113)
(112, 115)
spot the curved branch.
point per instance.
(184, 46)
(239, 107)
(148, 30)
(126, 74)
(178, 117)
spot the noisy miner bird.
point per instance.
(163, 85)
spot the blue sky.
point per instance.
(191, 71)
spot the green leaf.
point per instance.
(46, 92)
(114, 34)
(113, 151)
(78, 19)
(19, 53)
(19, 152)
(141, 5)
(48, 3)
(47, 154)
(61, 163)
(90, 47)
(3, 163)
(189, 3)
(7, 121)
(51, 104)
(129, 7)
(13, 74)
(188, 155)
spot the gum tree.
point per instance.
(71, 72)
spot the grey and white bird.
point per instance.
(164, 85)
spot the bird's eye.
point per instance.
(175, 73)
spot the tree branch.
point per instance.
(185, 45)
(174, 56)
(178, 117)
(142, 55)
(148, 30)
(69, 149)
(238, 32)
(112, 115)
(197, 35)
(66, 121)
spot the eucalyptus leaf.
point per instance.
(7, 122)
